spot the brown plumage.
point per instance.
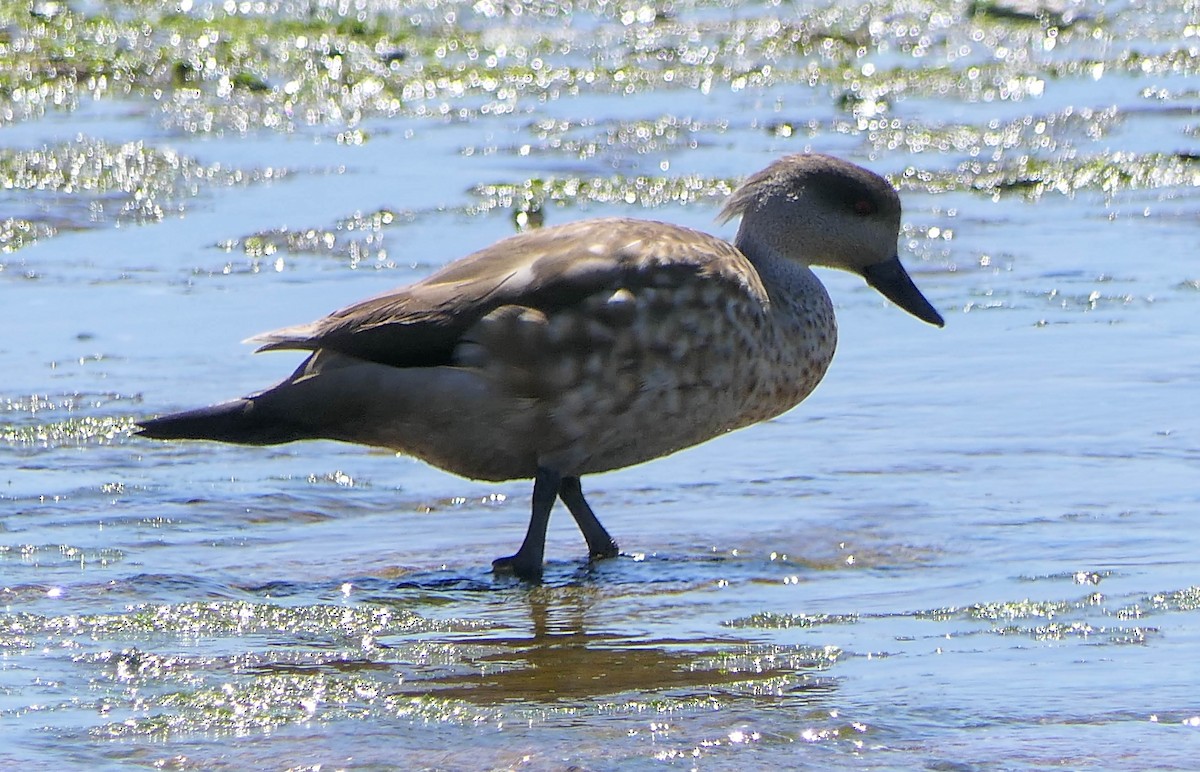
(588, 346)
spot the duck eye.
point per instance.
(864, 206)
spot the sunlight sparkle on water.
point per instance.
(944, 506)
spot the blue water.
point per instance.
(970, 548)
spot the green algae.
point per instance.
(1080, 630)
(53, 61)
(355, 239)
(1031, 177)
(1083, 619)
(84, 430)
(87, 183)
(167, 669)
(1042, 15)
(1025, 175)
(1042, 135)
(273, 701)
(43, 403)
(52, 555)
(60, 420)
(1184, 600)
(355, 627)
(1187, 599)
(1005, 611)
(159, 672)
(233, 668)
(770, 658)
(18, 232)
(1039, 620)
(586, 139)
(275, 66)
(1022, 609)
(641, 190)
(769, 620)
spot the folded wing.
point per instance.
(549, 269)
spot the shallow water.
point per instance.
(971, 548)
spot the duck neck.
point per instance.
(799, 337)
(784, 278)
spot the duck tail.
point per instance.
(240, 421)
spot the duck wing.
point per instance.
(548, 269)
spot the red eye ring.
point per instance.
(864, 206)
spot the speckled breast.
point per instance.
(635, 373)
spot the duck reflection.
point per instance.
(570, 654)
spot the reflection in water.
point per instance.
(566, 659)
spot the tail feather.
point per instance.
(239, 421)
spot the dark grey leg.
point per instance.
(600, 544)
(527, 563)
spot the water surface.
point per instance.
(971, 548)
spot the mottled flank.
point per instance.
(576, 339)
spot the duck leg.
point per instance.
(527, 563)
(600, 544)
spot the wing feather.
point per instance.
(547, 269)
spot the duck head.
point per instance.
(815, 209)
